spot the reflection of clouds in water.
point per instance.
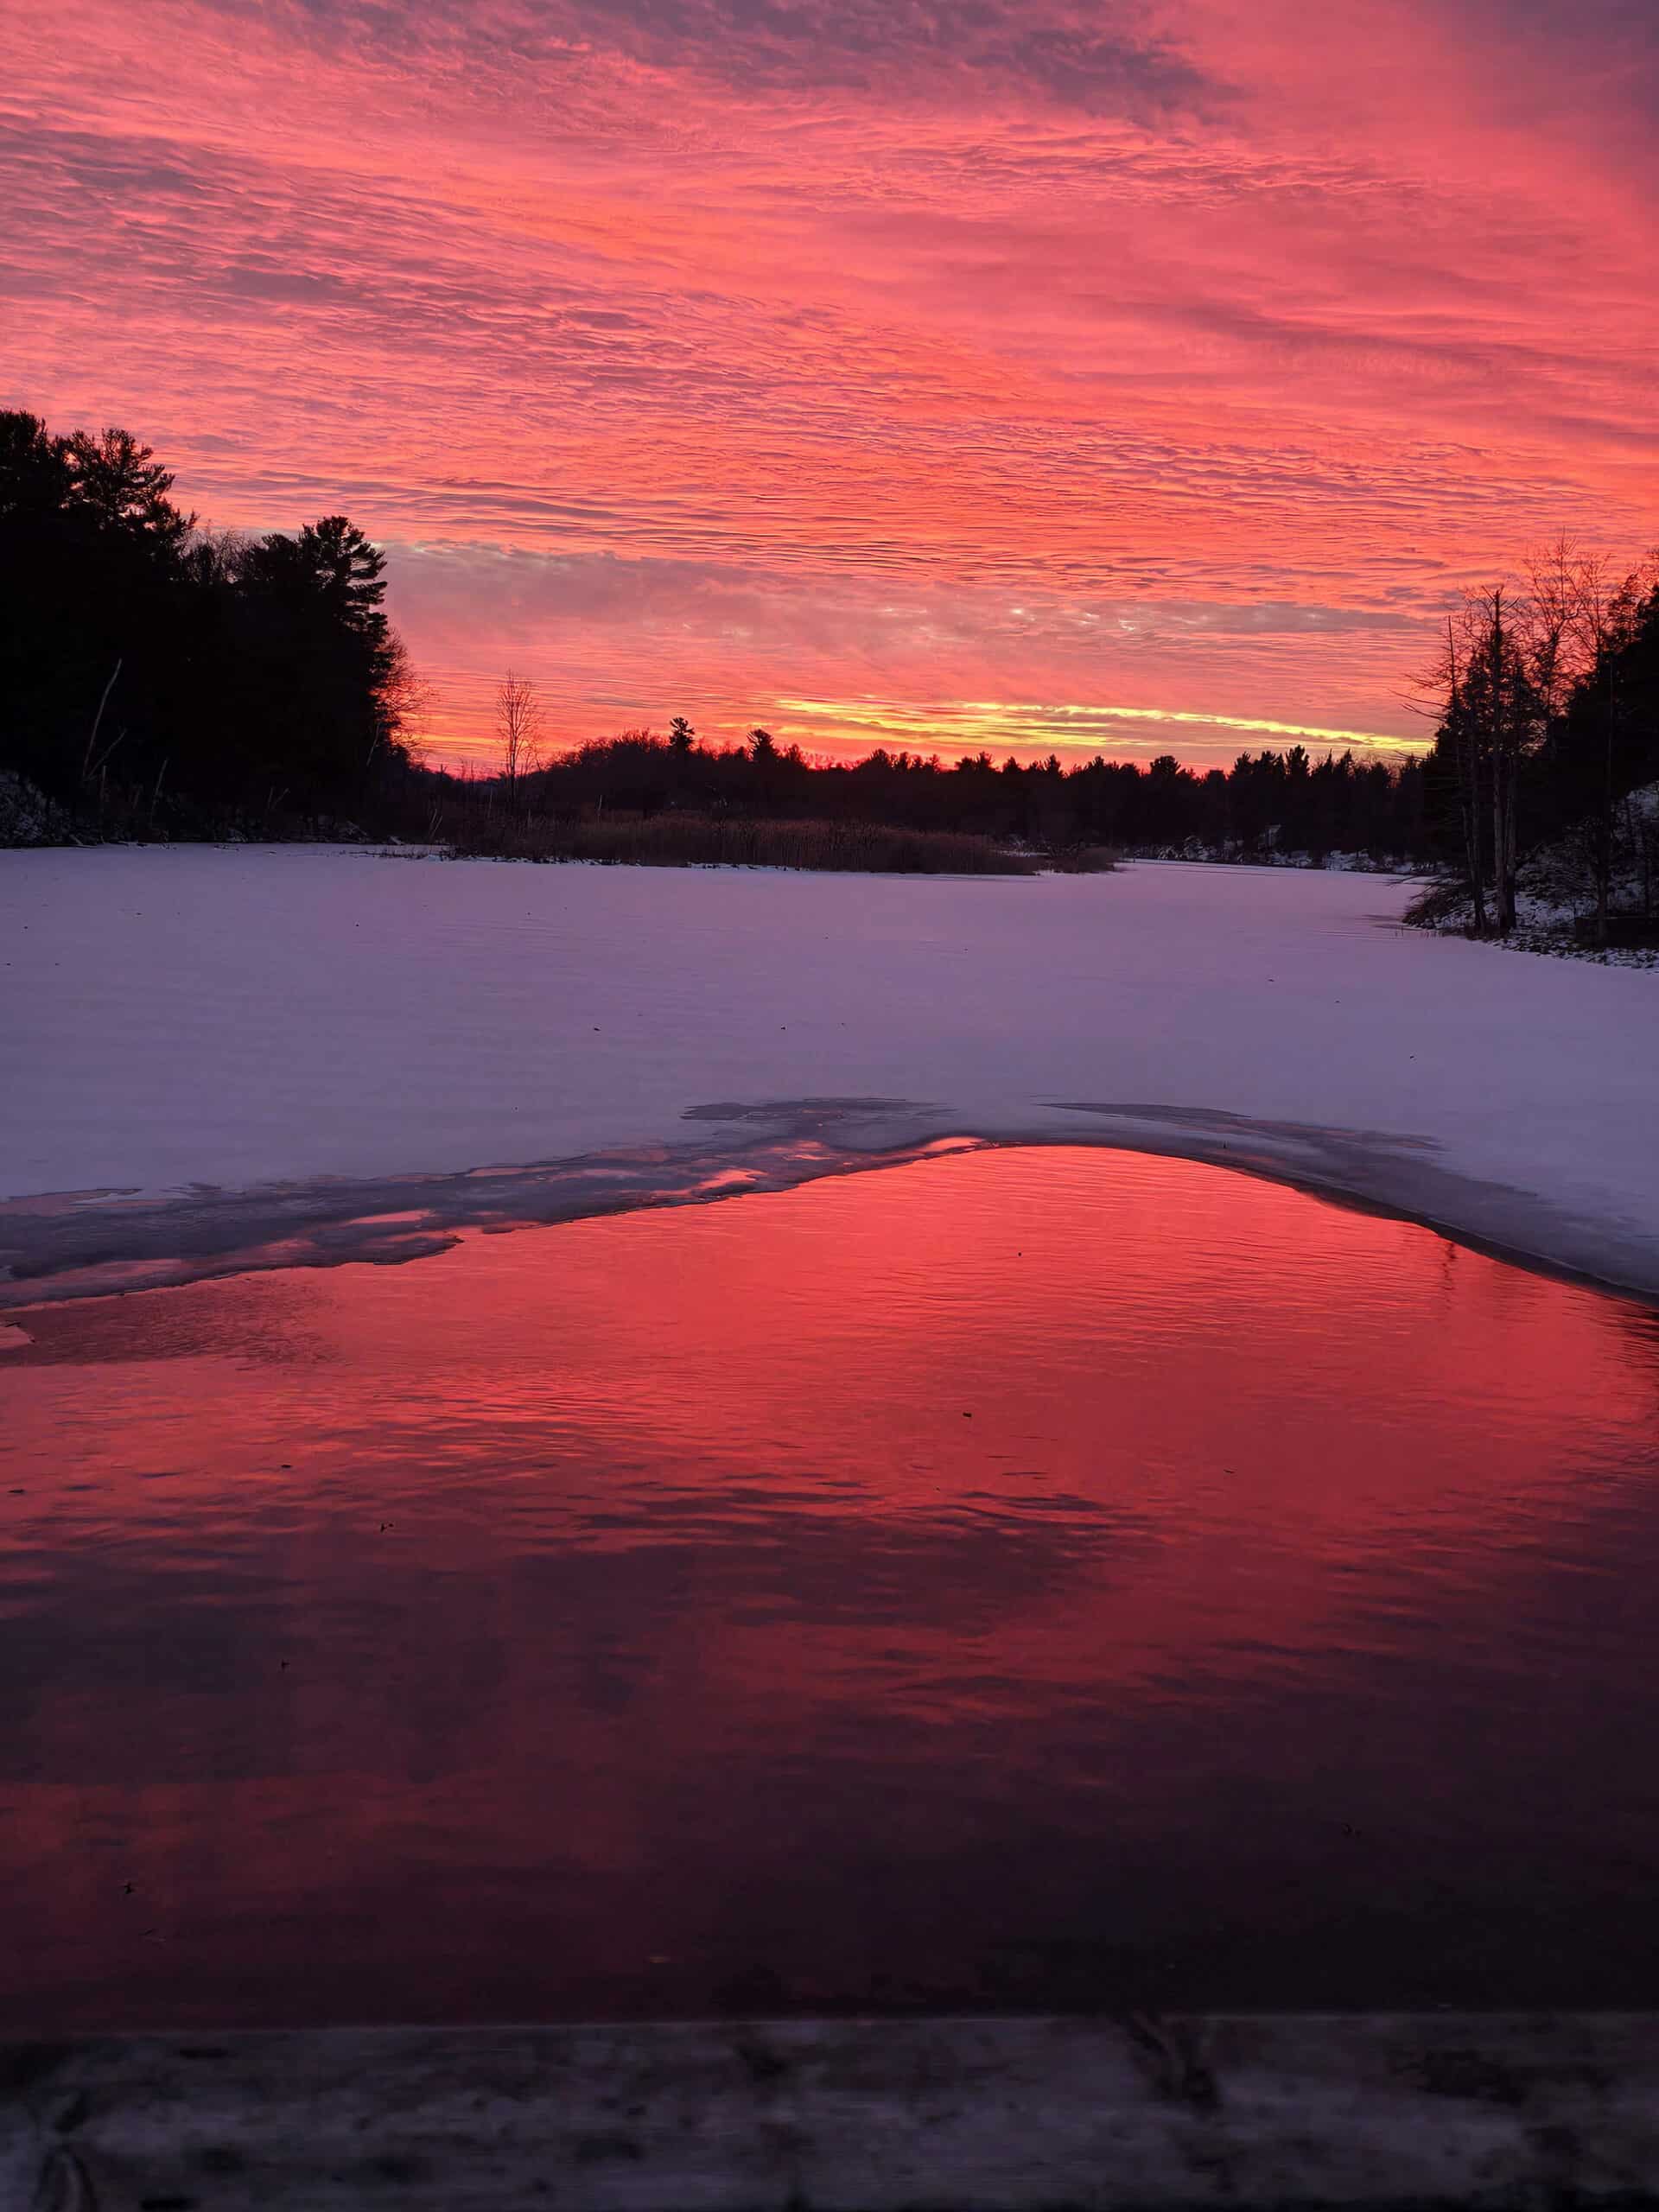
(269, 1322)
(1640, 1325)
(640, 1588)
(624, 1597)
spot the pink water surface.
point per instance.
(1024, 1578)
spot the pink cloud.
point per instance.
(702, 354)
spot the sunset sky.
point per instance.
(927, 371)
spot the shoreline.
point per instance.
(242, 1058)
(61, 1247)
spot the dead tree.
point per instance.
(1461, 726)
(519, 723)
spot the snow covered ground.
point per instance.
(367, 1033)
(1556, 889)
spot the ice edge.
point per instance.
(91, 1245)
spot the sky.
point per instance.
(1129, 378)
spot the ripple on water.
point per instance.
(1034, 1578)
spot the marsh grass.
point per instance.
(710, 841)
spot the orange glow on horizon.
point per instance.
(848, 729)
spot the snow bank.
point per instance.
(175, 1017)
(1556, 889)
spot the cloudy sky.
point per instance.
(945, 372)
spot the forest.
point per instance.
(1546, 754)
(161, 680)
(1265, 803)
(158, 679)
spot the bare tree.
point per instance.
(1596, 614)
(1555, 581)
(1502, 680)
(407, 700)
(1512, 671)
(519, 725)
(1589, 616)
(1466, 742)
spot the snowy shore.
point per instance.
(213, 1054)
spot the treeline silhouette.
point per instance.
(1547, 746)
(158, 677)
(1266, 803)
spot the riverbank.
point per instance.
(226, 1055)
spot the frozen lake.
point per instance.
(223, 1051)
(1017, 1577)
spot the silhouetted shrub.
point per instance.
(1084, 859)
(1440, 904)
(696, 840)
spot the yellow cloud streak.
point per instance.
(985, 721)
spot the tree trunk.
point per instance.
(1605, 835)
(1472, 811)
(1505, 775)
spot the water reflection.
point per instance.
(1031, 1578)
